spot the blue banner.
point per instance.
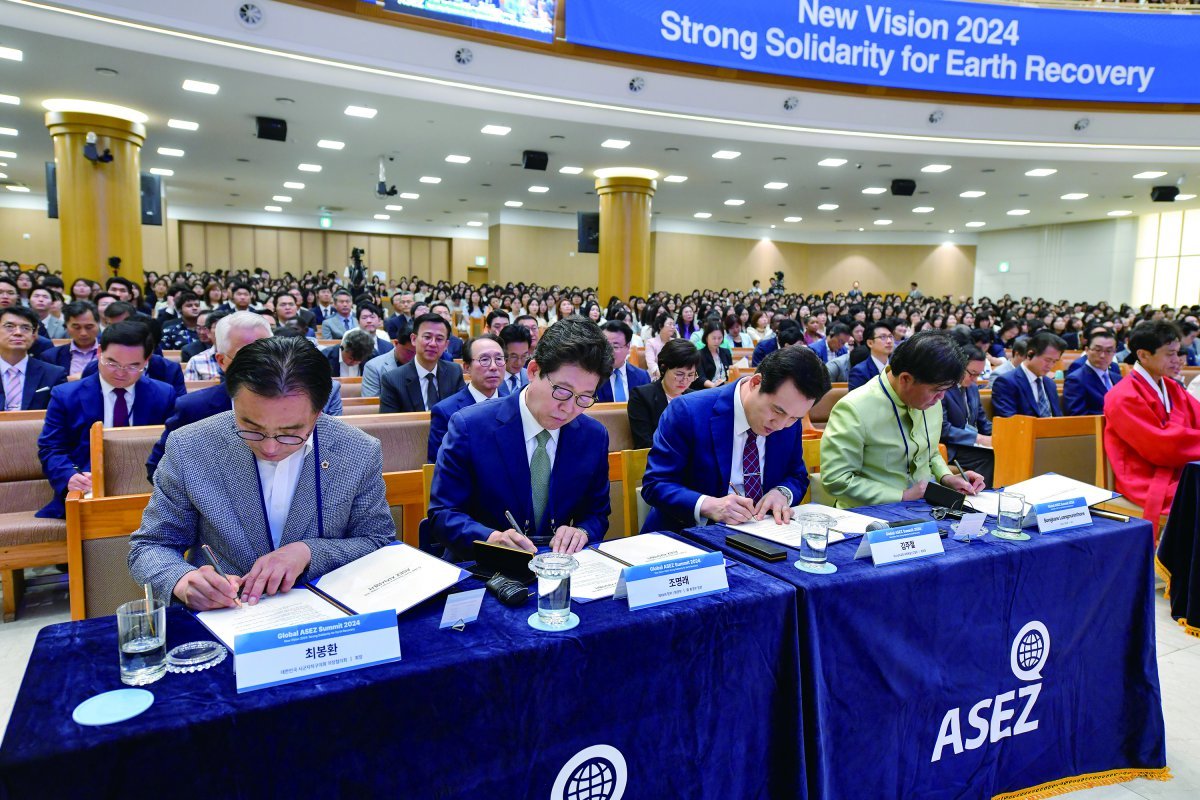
(529, 19)
(930, 45)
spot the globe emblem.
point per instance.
(1031, 650)
(594, 779)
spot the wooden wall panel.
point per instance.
(312, 250)
(241, 246)
(420, 258)
(337, 251)
(439, 259)
(401, 257)
(289, 252)
(266, 249)
(191, 244)
(216, 247)
(379, 255)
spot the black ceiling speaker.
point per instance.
(904, 187)
(271, 129)
(535, 159)
(1164, 194)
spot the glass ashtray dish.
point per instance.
(195, 656)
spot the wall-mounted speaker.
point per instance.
(271, 129)
(588, 224)
(534, 159)
(1164, 194)
(904, 187)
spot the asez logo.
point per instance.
(1030, 649)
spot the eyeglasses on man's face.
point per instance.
(289, 439)
(123, 369)
(562, 393)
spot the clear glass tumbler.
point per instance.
(553, 572)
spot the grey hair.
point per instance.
(242, 321)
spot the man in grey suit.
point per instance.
(342, 319)
(425, 381)
(319, 483)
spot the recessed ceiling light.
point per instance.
(275, 209)
(874, 190)
(293, 185)
(883, 222)
(453, 159)
(383, 216)
(828, 207)
(570, 170)
(7, 154)
(1120, 213)
(615, 144)
(360, 111)
(183, 125)
(675, 178)
(394, 208)
(1073, 196)
(281, 198)
(831, 162)
(17, 188)
(923, 209)
(1018, 212)
(792, 219)
(475, 224)
(539, 189)
(1041, 172)
(3, 176)
(950, 231)
(513, 203)
(11, 54)
(201, 86)
(174, 152)
(10, 99)
(1149, 175)
(973, 193)
(166, 173)
(976, 224)
(702, 215)
(430, 179)
(1181, 197)
(8, 131)
(935, 168)
(726, 154)
(495, 130)
(409, 196)
(309, 167)
(735, 202)
(331, 144)
(775, 185)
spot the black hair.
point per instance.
(617, 326)
(1098, 333)
(187, 296)
(931, 357)
(711, 326)
(468, 348)
(678, 354)
(359, 344)
(1152, 335)
(497, 314)
(426, 318)
(575, 340)
(515, 334)
(367, 306)
(275, 297)
(214, 317)
(788, 333)
(974, 354)
(24, 313)
(238, 286)
(118, 308)
(281, 365)
(798, 365)
(131, 333)
(871, 327)
(1041, 342)
(838, 329)
(1020, 344)
(1185, 327)
(128, 284)
(78, 308)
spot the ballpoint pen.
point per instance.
(212, 559)
(513, 521)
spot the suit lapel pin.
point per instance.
(324, 465)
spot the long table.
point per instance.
(699, 698)
(1179, 551)
(994, 668)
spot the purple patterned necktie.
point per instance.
(120, 410)
(751, 474)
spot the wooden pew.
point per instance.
(1029, 446)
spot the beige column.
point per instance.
(625, 200)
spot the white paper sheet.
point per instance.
(647, 548)
(596, 577)
(1042, 489)
(396, 577)
(297, 607)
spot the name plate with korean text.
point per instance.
(663, 582)
(894, 545)
(1062, 515)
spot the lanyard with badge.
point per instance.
(908, 473)
(262, 497)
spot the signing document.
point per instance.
(845, 523)
(646, 548)
(1043, 489)
(600, 567)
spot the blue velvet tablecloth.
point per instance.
(700, 697)
(1179, 551)
(894, 659)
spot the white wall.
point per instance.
(1089, 261)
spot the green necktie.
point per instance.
(539, 478)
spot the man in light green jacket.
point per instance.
(881, 443)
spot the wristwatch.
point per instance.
(786, 492)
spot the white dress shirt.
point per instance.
(278, 480)
(741, 426)
(1100, 373)
(1158, 386)
(22, 368)
(479, 396)
(1035, 383)
(110, 401)
(530, 428)
(880, 365)
(347, 371)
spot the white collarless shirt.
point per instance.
(530, 428)
(110, 401)
(278, 480)
(1158, 386)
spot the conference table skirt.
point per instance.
(1179, 551)
(700, 698)
(997, 669)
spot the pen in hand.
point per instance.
(211, 555)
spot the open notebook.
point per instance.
(396, 577)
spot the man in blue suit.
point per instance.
(1085, 387)
(83, 326)
(734, 454)
(483, 366)
(881, 341)
(518, 350)
(118, 395)
(1030, 389)
(159, 368)
(26, 381)
(787, 333)
(625, 376)
(346, 360)
(836, 343)
(966, 430)
(532, 454)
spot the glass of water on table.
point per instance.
(814, 543)
(142, 641)
(553, 572)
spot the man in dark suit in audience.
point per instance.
(454, 345)
(734, 454)
(118, 395)
(518, 350)
(27, 381)
(157, 367)
(1030, 389)
(83, 326)
(496, 321)
(399, 324)
(425, 381)
(357, 348)
(836, 343)
(483, 362)
(788, 332)
(966, 430)
(625, 376)
(881, 341)
(679, 364)
(342, 319)
(370, 319)
(1085, 387)
(533, 454)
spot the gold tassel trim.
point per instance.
(1089, 781)
(1161, 570)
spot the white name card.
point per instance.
(894, 545)
(663, 582)
(1062, 515)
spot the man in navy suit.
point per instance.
(118, 395)
(1085, 387)
(158, 368)
(625, 376)
(837, 343)
(454, 345)
(518, 350)
(346, 360)
(881, 341)
(26, 381)
(83, 326)
(427, 380)
(533, 454)
(966, 430)
(483, 363)
(1030, 389)
(788, 332)
(734, 454)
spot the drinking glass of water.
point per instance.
(142, 641)
(1010, 517)
(553, 572)
(814, 542)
